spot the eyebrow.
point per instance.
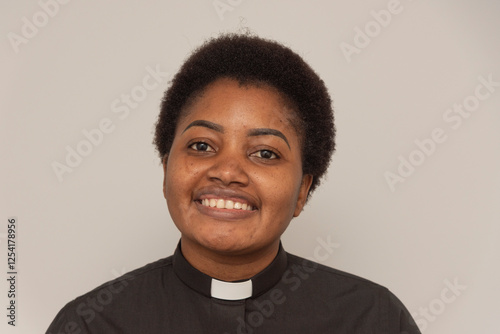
(266, 132)
(251, 133)
(206, 124)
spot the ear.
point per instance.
(303, 192)
(164, 163)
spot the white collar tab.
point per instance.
(231, 290)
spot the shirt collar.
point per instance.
(211, 287)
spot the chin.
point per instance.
(226, 243)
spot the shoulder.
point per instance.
(147, 272)
(345, 292)
(330, 275)
(121, 291)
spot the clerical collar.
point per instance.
(212, 287)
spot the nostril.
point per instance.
(227, 173)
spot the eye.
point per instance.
(265, 154)
(201, 146)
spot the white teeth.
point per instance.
(223, 204)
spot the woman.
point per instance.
(245, 134)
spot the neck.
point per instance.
(228, 267)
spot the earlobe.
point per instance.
(303, 192)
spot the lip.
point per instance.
(224, 214)
(225, 194)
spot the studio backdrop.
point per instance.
(411, 200)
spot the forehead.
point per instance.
(254, 102)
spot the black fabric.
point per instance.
(200, 282)
(292, 295)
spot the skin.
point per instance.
(235, 143)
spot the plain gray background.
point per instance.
(108, 216)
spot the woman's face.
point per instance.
(233, 177)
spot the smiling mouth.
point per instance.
(225, 204)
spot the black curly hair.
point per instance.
(253, 60)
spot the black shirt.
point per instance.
(292, 295)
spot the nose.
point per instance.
(229, 169)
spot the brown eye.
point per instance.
(201, 146)
(265, 154)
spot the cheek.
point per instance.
(175, 180)
(181, 179)
(280, 189)
(182, 170)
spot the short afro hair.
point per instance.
(254, 60)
